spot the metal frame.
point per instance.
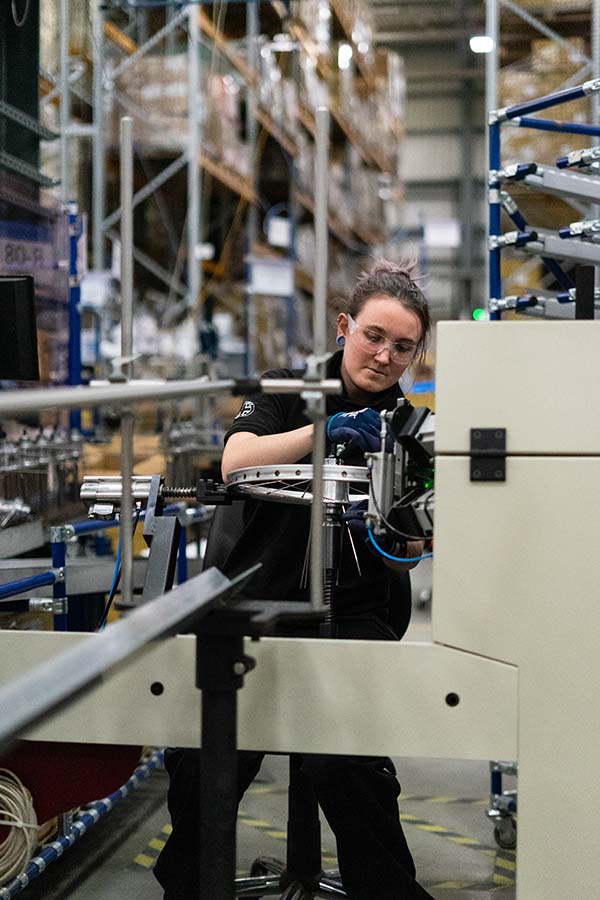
(545, 179)
(560, 182)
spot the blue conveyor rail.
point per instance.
(82, 823)
(12, 588)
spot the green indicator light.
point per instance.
(479, 315)
(427, 485)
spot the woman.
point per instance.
(383, 329)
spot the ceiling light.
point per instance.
(481, 43)
(344, 55)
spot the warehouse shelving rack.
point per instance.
(579, 186)
(195, 19)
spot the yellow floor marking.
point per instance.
(156, 844)
(280, 835)
(257, 823)
(167, 829)
(142, 859)
(442, 800)
(406, 817)
(263, 790)
(451, 885)
(435, 828)
(468, 841)
(502, 879)
(506, 864)
(329, 859)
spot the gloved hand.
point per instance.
(359, 429)
(354, 517)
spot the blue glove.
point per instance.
(360, 429)
(354, 517)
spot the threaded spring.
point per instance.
(178, 493)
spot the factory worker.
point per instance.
(383, 328)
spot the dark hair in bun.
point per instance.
(396, 280)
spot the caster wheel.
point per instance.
(266, 865)
(424, 598)
(505, 834)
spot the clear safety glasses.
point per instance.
(372, 340)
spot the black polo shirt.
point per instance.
(277, 534)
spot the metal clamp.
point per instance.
(508, 204)
(590, 87)
(517, 171)
(488, 454)
(61, 533)
(511, 239)
(584, 228)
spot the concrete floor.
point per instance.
(442, 806)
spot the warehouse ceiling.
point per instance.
(412, 25)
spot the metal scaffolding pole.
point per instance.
(465, 188)
(127, 352)
(252, 222)
(595, 44)
(98, 179)
(320, 345)
(194, 211)
(65, 105)
(492, 28)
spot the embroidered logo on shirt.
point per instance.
(246, 410)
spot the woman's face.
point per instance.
(380, 344)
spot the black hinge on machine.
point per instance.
(488, 454)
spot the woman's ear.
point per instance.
(342, 329)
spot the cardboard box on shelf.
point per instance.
(547, 70)
(155, 89)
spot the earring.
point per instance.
(340, 340)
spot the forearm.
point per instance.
(413, 549)
(244, 449)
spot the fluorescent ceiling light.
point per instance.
(481, 43)
(344, 55)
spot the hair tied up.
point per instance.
(406, 268)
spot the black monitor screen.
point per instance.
(18, 331)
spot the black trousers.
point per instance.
(358, 796)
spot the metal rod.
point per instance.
(552, 125)
(121, 394)
(546, 102)
(146, 261)
(495, 277)
(320, 345)
(492, 29)
(194, 170)
(252, 220)
(574, 55)
(98, 180)
(59, 589)
(321, 209)
(74, 308)
(65, 105)
(154, 40)
(126, 136)
(12, 588)
(126, 514)
(127, 419)
(595, 46)
(148, 189)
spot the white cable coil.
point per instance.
(17, 814)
